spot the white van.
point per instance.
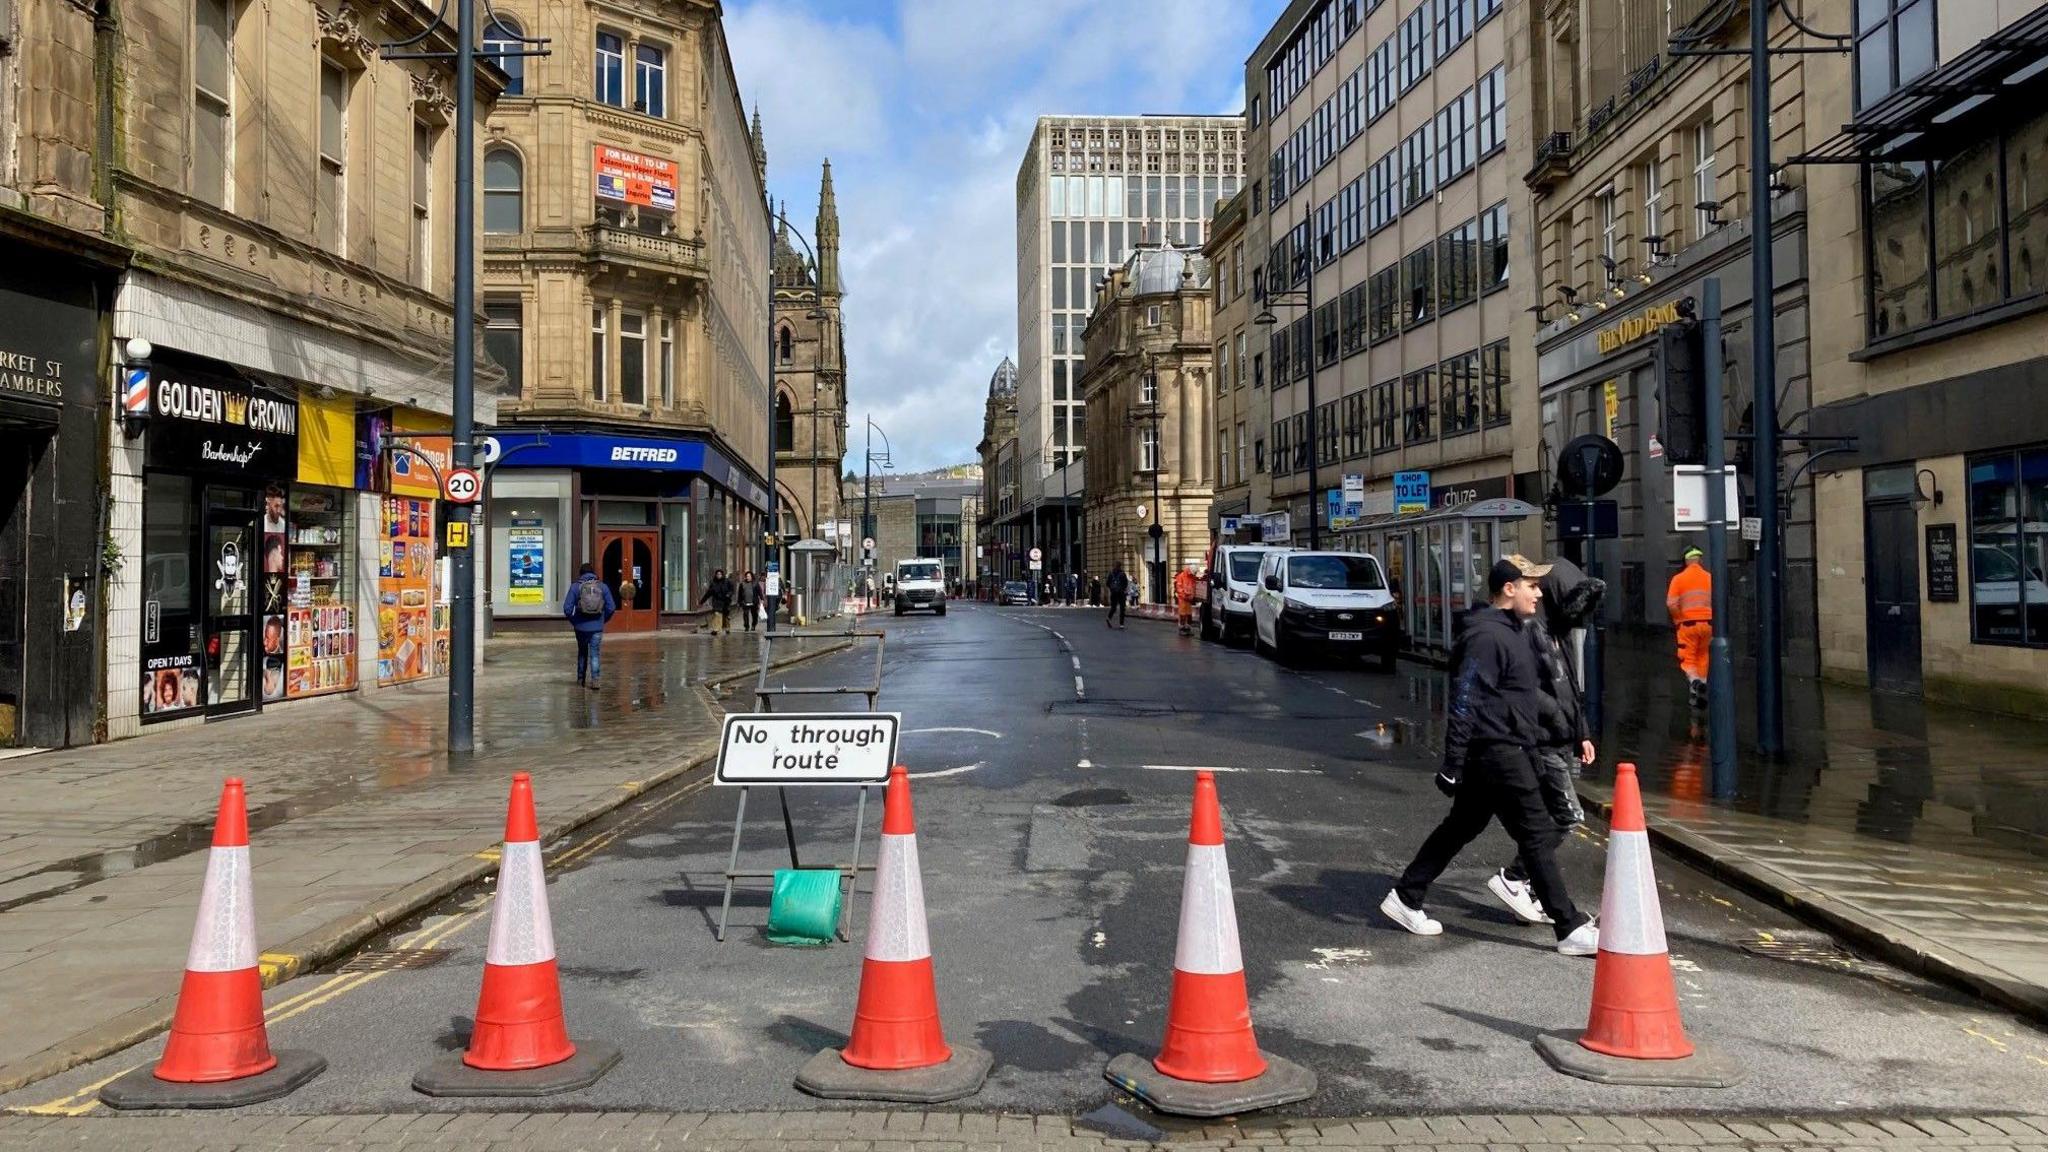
(1333, 603)
(1233, 578)
(921, 584)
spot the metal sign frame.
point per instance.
(764, 702)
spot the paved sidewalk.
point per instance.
(358, 817)
(971, 1132)
(1918, 831)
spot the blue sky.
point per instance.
(925, 108)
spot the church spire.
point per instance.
(828, 235)
(760, 149)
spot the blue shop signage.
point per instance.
(639, 453)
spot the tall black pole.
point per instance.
(773, 535)
(1315, 432)
(461, 563)
(867, 497)
(1720, 673)
(1764, 347)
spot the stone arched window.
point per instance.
(785, 423)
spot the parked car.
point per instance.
(1325, 603)
(1014, 592)
(1226, 607)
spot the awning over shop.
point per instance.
(1924, 120)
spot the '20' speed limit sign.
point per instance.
(462, 486)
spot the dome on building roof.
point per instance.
(1154, 270)
(1004, 382)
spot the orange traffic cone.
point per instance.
(898, 1050)
(218, 1054)
(1633, 1033)
(1210, 1063)
(520, 1045)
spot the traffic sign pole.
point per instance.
(1720, 672)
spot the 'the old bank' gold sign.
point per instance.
(1636, 327)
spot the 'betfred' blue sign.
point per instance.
(584, 450)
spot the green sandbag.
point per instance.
(805, 909)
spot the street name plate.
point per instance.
(807, 748)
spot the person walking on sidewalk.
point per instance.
(718, 594)
(1570, 597)
(747, 594)
(1490, 734)
(1184, 584)
(1119, 588)
(588, 606)
(1690, 600)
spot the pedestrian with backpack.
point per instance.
(719, 594)
(588, 607)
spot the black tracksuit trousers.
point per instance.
(1498, 782)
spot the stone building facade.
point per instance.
(626, 268)
(1237, 457)
(1380, 230)
(1149, 390)
(810, 374)
(999, 545)
(1929, 258)
(283, 339)
(1637, 185)
(60, 259)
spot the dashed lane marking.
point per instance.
(976, 731)
(948, 771)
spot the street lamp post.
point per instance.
(462, 386)
(1152, 414)
(1305, 299)
(867, 495)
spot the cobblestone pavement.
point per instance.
(358, 817)
(964, 1132)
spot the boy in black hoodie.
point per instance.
(1570, 597)
(1491, 730)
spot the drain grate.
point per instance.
(1814, 950)
(394, 960)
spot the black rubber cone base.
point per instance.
(141, 1088)
(827, 1075)
(449, 1076)
(1283, 1082)
(1702, 1069)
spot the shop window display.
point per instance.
(320, 632)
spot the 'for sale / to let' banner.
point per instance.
(631, 178)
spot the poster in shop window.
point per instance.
(272, 597)
(526, 561)
(405, 591)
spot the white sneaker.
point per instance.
(1584, 941)
(1518, 898)
(1413, 919)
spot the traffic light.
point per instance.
(1681, 393)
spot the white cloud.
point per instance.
(925, 111)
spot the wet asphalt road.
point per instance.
(1052, 819)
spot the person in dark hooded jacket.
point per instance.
(1564, 741)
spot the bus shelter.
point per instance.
(1437, 560)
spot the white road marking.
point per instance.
(1184, 768)
(1080, 689)
(1077, 663)
(1083, 764)
(948, 771)
(977, 731)
(1332, 957)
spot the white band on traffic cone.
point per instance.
(521, 932)
(224, 939)
(896, 930)
(1631, 923)
(1208, 918)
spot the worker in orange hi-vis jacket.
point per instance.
(1690, 600)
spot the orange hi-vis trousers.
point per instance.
(1694, 637)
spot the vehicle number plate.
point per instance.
(1347, 635)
